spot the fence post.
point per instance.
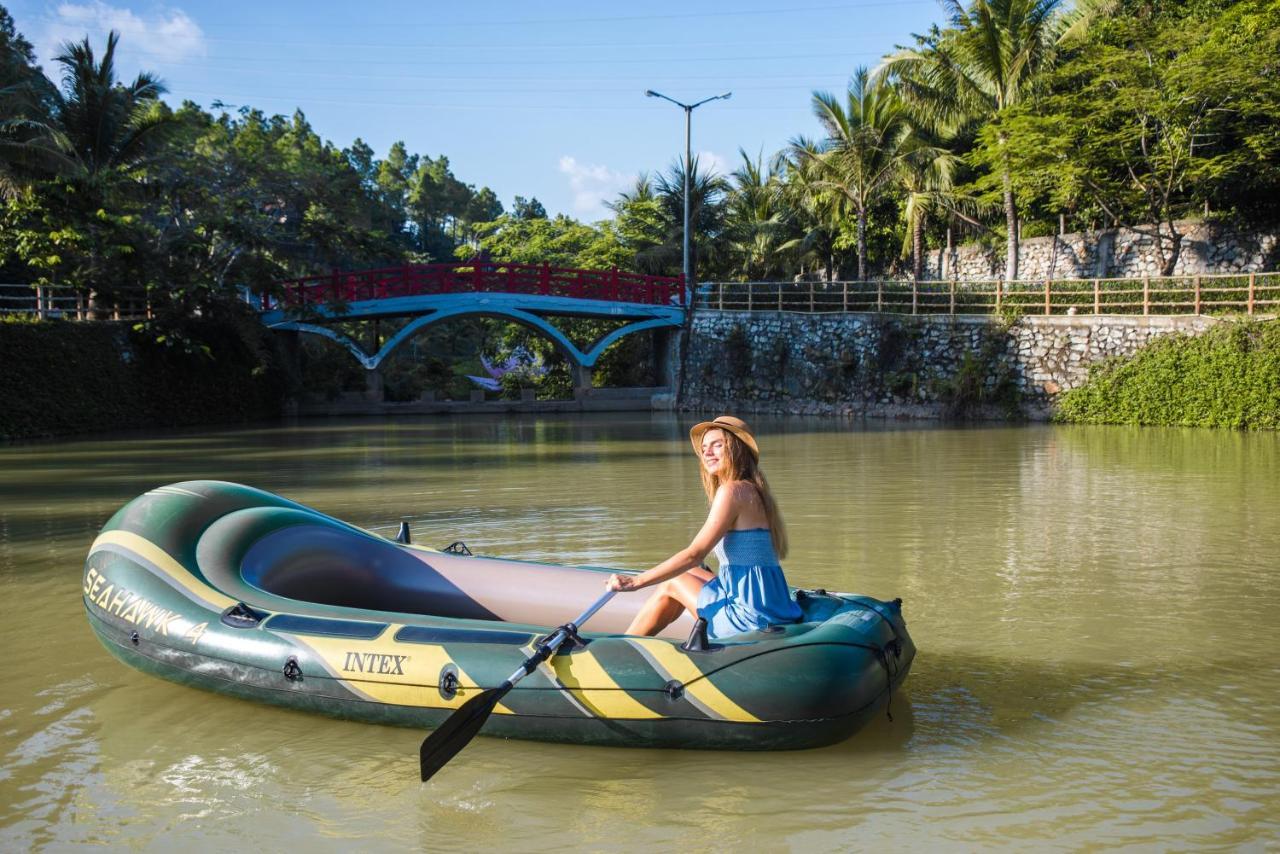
(1252, 280)
(1048, 305)
(844, 293)
(1197, 294)
(1146, 295)
(880, 297)
(915, 296)
(1097, 297)
(749, 294)
(811, 287)
(779, 296)
(40, 312)
(953, 297)
(720, 292)
(999, 294)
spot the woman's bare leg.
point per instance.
(669, 601)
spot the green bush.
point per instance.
(61, 377)
(1228, 376)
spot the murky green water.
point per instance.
(1096, 611)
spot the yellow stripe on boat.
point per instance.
(604, 698)
(674, 664)
(384, 671)
(176, 572)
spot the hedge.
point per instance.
(62, 377)
(1228, 376)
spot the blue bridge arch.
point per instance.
(523, 294)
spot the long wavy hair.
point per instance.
(740, 464)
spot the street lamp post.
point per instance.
(688, 167)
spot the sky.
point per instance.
(541, 100)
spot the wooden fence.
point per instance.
(70, 303)
(1244, 293)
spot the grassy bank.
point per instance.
(59, 378)
(1228, 376)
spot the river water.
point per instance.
(1095, 608)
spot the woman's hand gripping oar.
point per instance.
(456, 732)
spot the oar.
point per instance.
(455, 733)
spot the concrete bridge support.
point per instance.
(581, 380)
(373, 386)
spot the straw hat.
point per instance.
(728, 423)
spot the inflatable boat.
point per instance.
(240, 591)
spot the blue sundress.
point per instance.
(749, 592)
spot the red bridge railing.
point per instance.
(472, 277)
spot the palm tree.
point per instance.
(706, 212)
(986, 62)
(98, 129)
(642, 225)
(817, 211)
(861, 155)
(926, 179)
(93, 136)
(754, 218)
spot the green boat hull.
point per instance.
(235, 590)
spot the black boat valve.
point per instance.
(134, 638)
(292, 670)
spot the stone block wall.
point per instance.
(1114, 253)
(927, 366)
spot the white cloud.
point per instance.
(710, 162)
(592, 185)
(146, 43)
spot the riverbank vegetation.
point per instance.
(62, 378)
(1016, 118)
(1228, 376)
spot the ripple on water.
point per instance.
(1097, 668)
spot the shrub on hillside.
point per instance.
(1228, 376)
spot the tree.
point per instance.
(1157, 115)
(92, 144)
(817, 211)
(26, 100)
(985, 64)
(524, 208)
(862, 153)
(754, 231)
(706, 218)
(642, 227)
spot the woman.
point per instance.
(746, 531)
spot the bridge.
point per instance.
(521, 293)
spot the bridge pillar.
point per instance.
(373, 386)
(581, 381)
(665, 352)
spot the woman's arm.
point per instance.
(724, 510)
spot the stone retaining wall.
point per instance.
(903, 366)
(1114, 253)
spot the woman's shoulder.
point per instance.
(739, 490)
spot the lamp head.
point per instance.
(650, 93)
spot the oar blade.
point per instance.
(456, 732)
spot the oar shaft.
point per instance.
(596, 606)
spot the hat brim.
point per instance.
(697, 430)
